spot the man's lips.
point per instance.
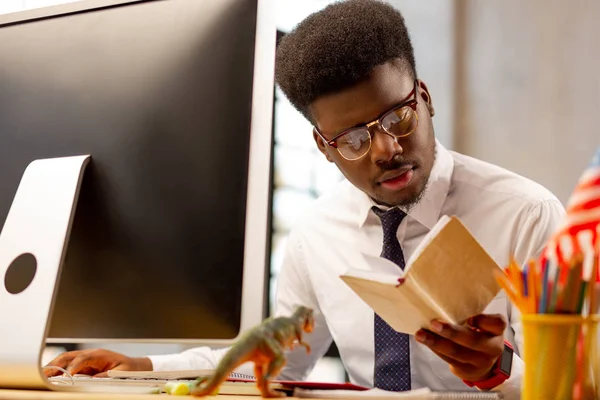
(397, 179)
(395, 173)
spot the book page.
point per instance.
(439, 225)
(375, 268)
(456, 273)
(450, 278)
(399, 306)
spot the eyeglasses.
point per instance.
(399, 122)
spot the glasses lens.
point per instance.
(400, 122)
(354, 144)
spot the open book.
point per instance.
(449, 277)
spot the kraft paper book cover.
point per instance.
(450, 276)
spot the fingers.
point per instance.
(87, 362)
(471, 350)
(452, 361)
(61, 361)
(95, 362)
(91, 361)
(494, 324)
(104, 374)
(463, 370)
(479, 340)
(453, 352)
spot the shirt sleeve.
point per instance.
(294, 288)
(192, 359)
(538, 226)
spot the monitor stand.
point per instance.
(32, 247)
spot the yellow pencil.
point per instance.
(509, 288)
(516, 275)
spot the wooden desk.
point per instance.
(55, 395)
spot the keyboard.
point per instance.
(89, 380)
(85, 383)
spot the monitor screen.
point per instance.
(169, 235)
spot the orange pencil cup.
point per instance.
(561, 357)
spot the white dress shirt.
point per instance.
(507, 213)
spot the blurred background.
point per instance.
(514, 82)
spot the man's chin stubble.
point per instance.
(408, 203)
(412, 201)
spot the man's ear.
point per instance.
(322, 146)
(425, 95)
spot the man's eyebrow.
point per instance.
(364, 123)
(360, 124)
(404, 101)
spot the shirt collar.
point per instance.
(427, 210)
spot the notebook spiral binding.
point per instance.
(237, 375)
(467, 396)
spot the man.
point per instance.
(350, 70)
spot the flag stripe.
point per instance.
(579, 197)
(583, 210)
(589, 174)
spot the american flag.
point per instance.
(583, 212)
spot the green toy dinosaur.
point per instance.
(264, 345)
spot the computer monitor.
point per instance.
(172, 100)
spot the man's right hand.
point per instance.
(96, 362)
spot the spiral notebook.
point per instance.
(417, 394)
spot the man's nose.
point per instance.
(384, 146)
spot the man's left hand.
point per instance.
(471, 349)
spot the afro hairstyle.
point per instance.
(338, 47)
